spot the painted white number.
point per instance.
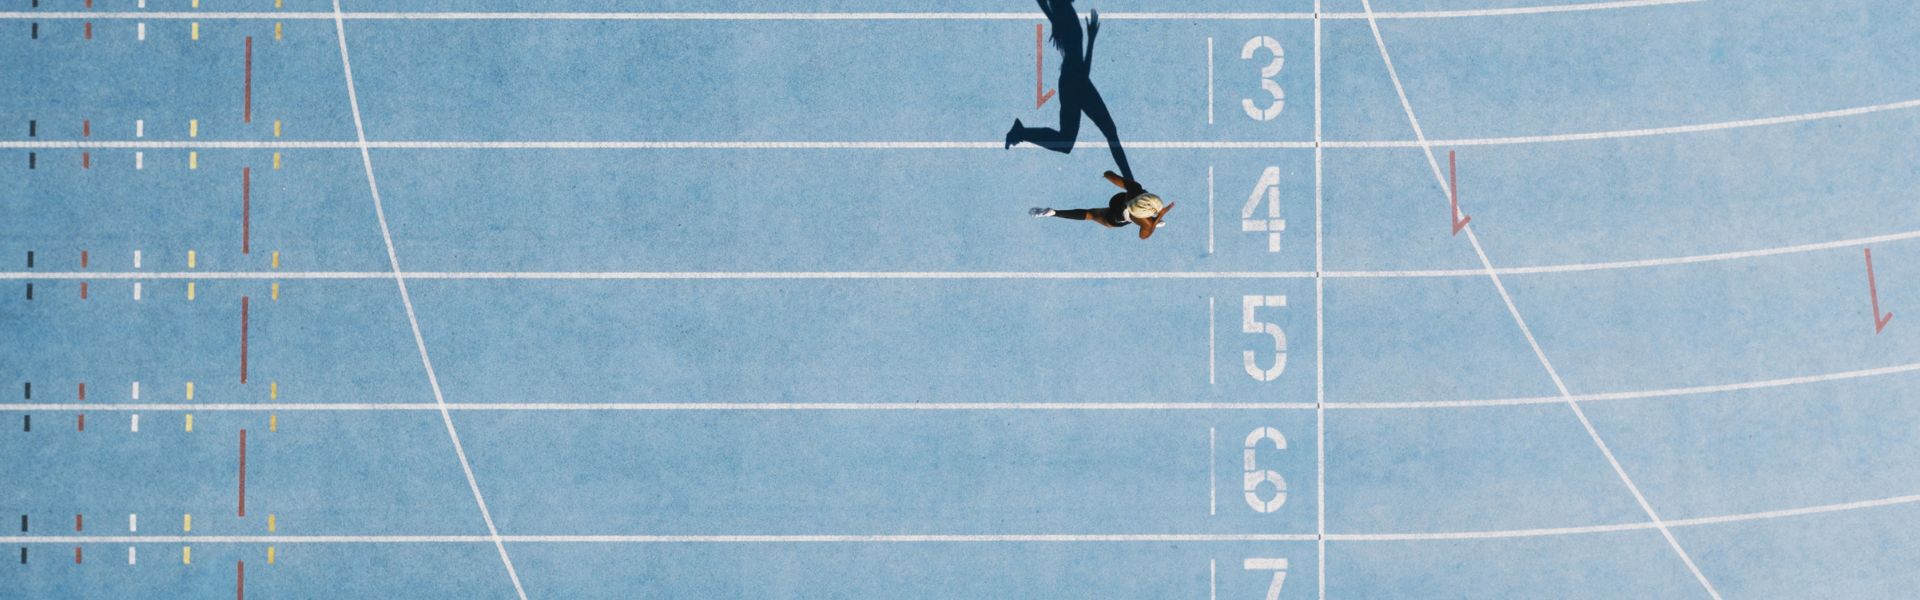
(1268, 189)
(1279, 568)
(1251, 323)
(1256, 476)
(1266, 78)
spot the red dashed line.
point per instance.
(249, 93)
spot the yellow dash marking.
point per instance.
(193, 128)
(196, 3)
(273, 422)
(276, 290)
(276, 161)
(276, 3)
(193, 160)
(196, 24)
(272, 525)
(186, 555)
(189, 390)
(276, 128)
(276, 31)
(276, 259)
(273, 390)
(269, 554)
(189, 423)
(186, 522)
(189, 290)
(191, 256)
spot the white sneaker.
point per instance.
(1040, 213)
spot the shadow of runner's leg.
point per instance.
(1096, 111)
(1058, 140)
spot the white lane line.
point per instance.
(1319, 322)
(1554, 374)
(677, 275)
(661, 539)
(393, 259)
(986, 406)
(988, 538)
(948, 145)
(606, 145)
(833, 16)
(675, 406)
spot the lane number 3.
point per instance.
(1267, 73)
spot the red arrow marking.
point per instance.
(1879, 320)
(1040, 92)
(1453, 189)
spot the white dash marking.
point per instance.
(135, 427)
(1209, 81)
(1213, 480)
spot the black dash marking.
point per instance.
(28, 390)
(31, 159)
(36, 31)
(33, 128)
(26, 423)
(23, 555)
(29, 259)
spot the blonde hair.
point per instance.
(1145, 206)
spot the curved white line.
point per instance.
(1633, 133)
(824, 16)
(959, 538)
(1635, 264)
(1639, 394)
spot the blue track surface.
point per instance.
(739, 299)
